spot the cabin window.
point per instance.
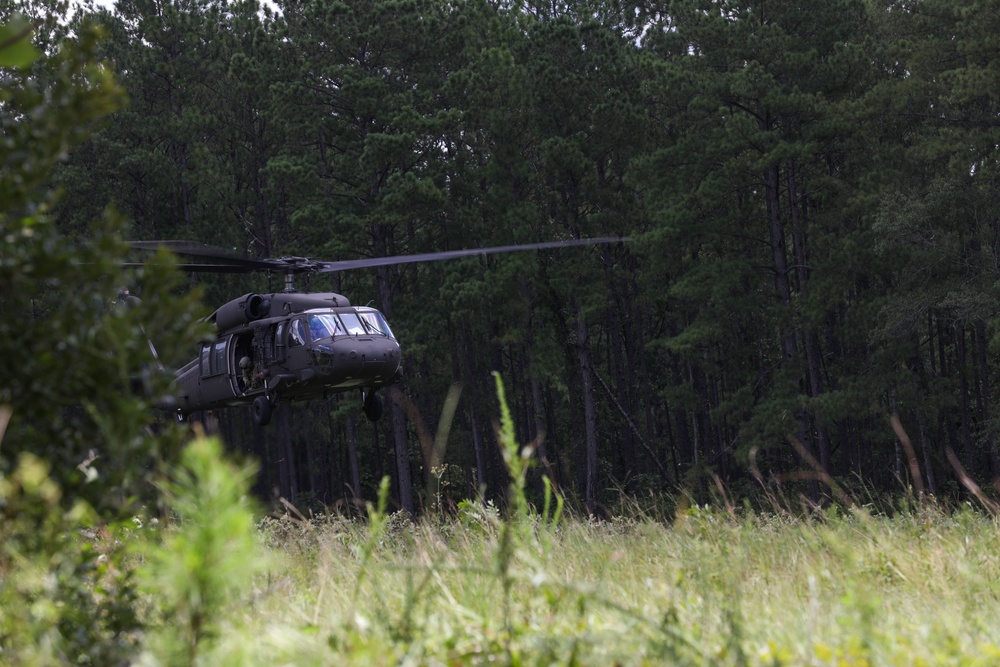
(213, 358)
(219, 358)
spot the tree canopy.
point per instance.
(808, 194)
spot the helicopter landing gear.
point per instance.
(372, 405)
(262, 411)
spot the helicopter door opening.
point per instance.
(246, 366)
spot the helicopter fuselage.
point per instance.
(266, 350)
(288, 346)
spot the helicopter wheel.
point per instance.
(372, 406)
(261, 411)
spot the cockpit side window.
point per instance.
(206, 360)
(296, 333)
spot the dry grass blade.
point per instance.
(969, 483)
(911, 454)
(5, 413)
(819, 473)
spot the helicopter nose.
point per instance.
(373, 359)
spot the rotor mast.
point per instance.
(291, 266)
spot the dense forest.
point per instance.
(808, 285)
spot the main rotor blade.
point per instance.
(219, 259)
(199, 267)
(347, 264)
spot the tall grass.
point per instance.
(708, 589)
(705, 586)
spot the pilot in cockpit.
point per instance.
(317, 329)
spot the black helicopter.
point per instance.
(291, 345)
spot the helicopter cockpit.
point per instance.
(356, 322)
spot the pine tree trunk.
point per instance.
(628, 444)
(986, 396)
(263, 484)
(404, 477)
(394, 413)
(966, 408)
(783, 290)
(779, 262)
(312, 462)
(589, 415)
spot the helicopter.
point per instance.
(289, 346)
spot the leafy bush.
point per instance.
(66, 589)
(78, 375)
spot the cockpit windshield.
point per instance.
(324, 325)
(363, 322)
(353, 324)
(374, 321)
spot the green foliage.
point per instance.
(49, 105)
(378, 523)
(16, 49)
(66, 588)
(79, 375)
(205, 566)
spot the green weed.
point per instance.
(203, 569)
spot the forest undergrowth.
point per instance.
(706, 585)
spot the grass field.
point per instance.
(219, 585)
(529, 586)
(707, 588)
